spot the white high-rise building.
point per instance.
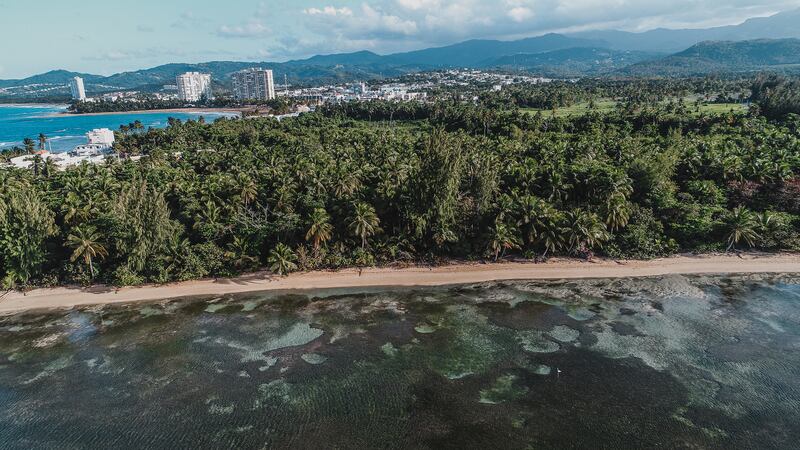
(254, 84)
(192, 86)
(77, 89)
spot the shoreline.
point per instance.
(452, 274)
(152, 111)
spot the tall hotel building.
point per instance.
(192, 86)
(77, 89)
(254, 84)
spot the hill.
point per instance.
(779, 26)
(571, 62)
(474, 52)
(724, 56)
(52, 77)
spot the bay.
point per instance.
(66, 131)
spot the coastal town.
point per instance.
(256, 86)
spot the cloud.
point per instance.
(520, 13)
(112, 55)
(189, 19)
(282, 30)
(329, 11)
(250, 29)
(403, 24)
(368, 22)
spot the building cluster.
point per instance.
(471, 77)
(354, 92)
(100, 143)
(258, 84)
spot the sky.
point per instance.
(109, 36)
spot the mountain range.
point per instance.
(759, 43)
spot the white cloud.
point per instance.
(386, 26)
(329, 11)
(520, 13)
(251, 29)
(402, 24)
(417, 4)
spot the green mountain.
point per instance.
(571, 62)
(779, 26)
(724, 56)
(52, 77)
(474, 52)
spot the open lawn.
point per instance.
(607, 105)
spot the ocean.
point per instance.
(65, 132)
(663, 362)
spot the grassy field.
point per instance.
(606, 105)
(722, 108)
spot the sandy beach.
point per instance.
(156, 111)
(457, 273)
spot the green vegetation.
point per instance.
(148, 103)
(358, 184)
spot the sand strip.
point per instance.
(67, 297)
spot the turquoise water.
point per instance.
(673, 362)
(65, 132)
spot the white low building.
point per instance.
(100, 145)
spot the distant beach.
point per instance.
(456, 273)
(198, 111)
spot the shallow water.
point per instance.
(673, 362)
(67, 131)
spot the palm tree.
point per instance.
(29, 144)
(586, 230)
(282, 259)
(365, 223)
(551, 234)
(741, 225)
(37, 164)
(42, 141)
(50, 167)
(247, 189)
(321, 229)
(503, 238)
(617, 211)
(239, 253)
(86, 244)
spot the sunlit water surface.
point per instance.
(64, 131)
(671, 362)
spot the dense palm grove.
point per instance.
(380, 183)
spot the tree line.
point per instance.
(377, 183)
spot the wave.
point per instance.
(60, 138)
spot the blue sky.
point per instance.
(109, 36)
